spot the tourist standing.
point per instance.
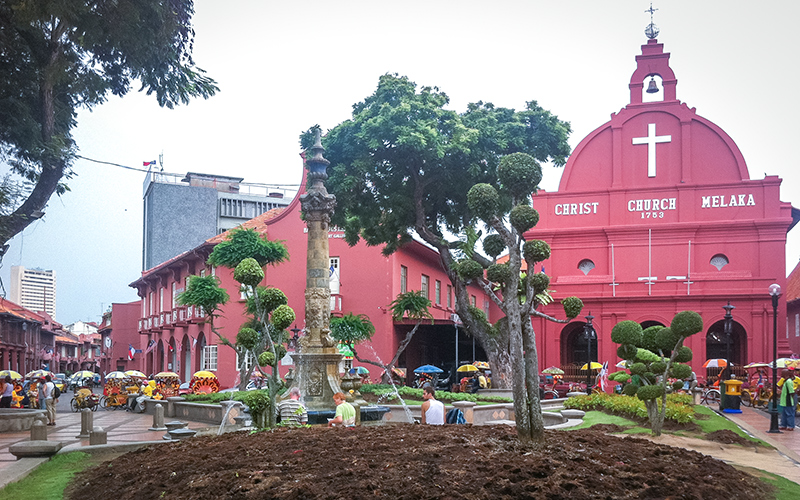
(291, 411)
(786, 402)
(432, 410)
(345, 413)
(46, 397)
(7, 392)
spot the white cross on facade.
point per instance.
(651, 140)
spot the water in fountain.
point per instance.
(394, 387)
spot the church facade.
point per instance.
(656, 214)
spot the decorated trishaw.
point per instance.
(204, 382)
(33, 391)
(16, 379)
(115, 391)
(84, 398)
(167, 384)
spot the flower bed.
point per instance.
(412, 393)
(679, 406)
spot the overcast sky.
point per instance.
(284, 66)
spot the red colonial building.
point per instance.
(656, 213)
(362, 281)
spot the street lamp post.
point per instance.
(588, 332)
(775, 292)
(728, 330)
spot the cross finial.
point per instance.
(651, 31)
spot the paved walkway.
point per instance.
(123, 428)
(757, 422)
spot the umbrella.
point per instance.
(361, 370)
(428, 369)
(204, 374)
(594, 366)
(622, 364)
(115, 375)
(783, 363)
(166, 375)
(83, 374)
(10, 373)
(553, 370)
(467, 368)
(716, 363)
(755, 365)
(481, 365)
(135, 373)
(400, 372)
(39, 374)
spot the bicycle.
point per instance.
(711, 396)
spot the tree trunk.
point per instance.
(533, 406)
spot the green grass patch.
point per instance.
(716, 422)
(47, 482)
(598, 417)
(784, 488)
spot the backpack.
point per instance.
(455, 416)
(56, 391)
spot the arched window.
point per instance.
(585, 266)
(719, 261)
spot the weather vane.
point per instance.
(651, 30)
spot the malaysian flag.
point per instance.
(148, 163)
(131, 352)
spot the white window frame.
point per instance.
(209, 358)
(403, 279)
(250, 360)
(438, 292)
(425, 286)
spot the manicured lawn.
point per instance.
(48, 481)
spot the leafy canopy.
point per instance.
(247, 244)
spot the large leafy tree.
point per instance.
(404, 164)
(57, 56)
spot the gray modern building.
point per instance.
(180, 212)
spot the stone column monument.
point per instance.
(317, 362)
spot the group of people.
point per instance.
(789, 391)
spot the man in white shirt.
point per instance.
(49, 401)
(432, 410)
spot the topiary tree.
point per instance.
(653, 356)
(260, 341)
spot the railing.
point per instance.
(336, 304)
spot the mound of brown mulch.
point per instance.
(411, 462)
(727, 436)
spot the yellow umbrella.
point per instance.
(167, 375)
(10, 373)
(594, 366)
(84, 374)
(467, 368)
(135, 373)
(204, 374)
(39, 374)
(116, 375)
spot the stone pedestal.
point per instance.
(87, 420)
(158, 419)
(98, 436)
(38, 431)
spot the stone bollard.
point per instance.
(158, 419)
(98, 436)
(357, 407)
(38, 431)
(171, 405)
(86, 423)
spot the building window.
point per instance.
(438, 292)
(585, 266)
(425, 286)
(719, 261)
(403, 279)
(473, 300)
(797, 325)
(174, 294)
(209, 359)
(486, 306)
(333, 275)
(450, 296)
(249, 361)
(161, 299)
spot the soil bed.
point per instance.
(409, 462)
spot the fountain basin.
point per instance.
(368, 414)
(19, 419)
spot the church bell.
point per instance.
(652, 87)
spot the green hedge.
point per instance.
(412, 393)
(218, 397)
(679, 406)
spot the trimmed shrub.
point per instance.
(535, 251)
(270, 298)
(282, 317)
(498, 273)
(540, 282)
(638, 368)
(658, 367)
(646, 356)
(493, 245)
(266, 358)
(523, 217)
(519, 173)
(483, 200)
(684, 354)
(666, 339)
(468, 269)
(248, 272)
(572, 306)
(247, 338)
(647, 392)
(677, 385)
(686, 323)
(649, 338)
(627, 332)
(679, 370)
(627, 351)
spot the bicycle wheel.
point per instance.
(104, 403)
(712, 397)
(74, 405)
(747, 398)
(550, 395)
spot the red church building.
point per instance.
(655, 214)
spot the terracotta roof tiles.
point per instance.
(793, 284)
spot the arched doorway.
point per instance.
(649, 323)
(574, 345)
(718, 345)
(187, 358)
(160, 357)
